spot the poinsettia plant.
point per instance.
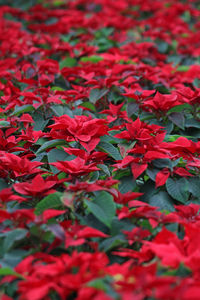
(99, 150)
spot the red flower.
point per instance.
(76, 167)
(38, 187)
(16, 166)
(162, 176)
(80, 128)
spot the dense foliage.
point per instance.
(99, 150)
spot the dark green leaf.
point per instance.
(104, 168)
(178, 119)
(12, 258)
(103, 207)
(51, 144)
(162, 46)
(192, 123)
(162, 163)
(112, 242)
(60, 110)
(13, 236)
(132, 108)
(110, 149)
(180, 108)
(127, 184)
(3, 184)
(178, 189)
(111, 139)
(162, 200)
(56, 155)
(97, 94)
(40, 121)
(4, 124)
(50, 201)
(22, 109)
(194, 186)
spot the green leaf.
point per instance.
(91, 221)
(183, 68)
(112, 242)
(162, 200)
(180, 108)
(175, 59)
(104, 168)
(51, 144)
(132, 108)
(92, 58)
(40, 121)
(148, 190)
(161, 163)
(103, 284)
(111, 139)
(50, 201)
(97, 94)
(55, 155)
(60, 110)
(110, 149)
(22, 109)
(162, 46)
(13, 236)
(4, 124)
(118, 226)
(12, 258)
(98, 212)
(98, 284)
(68, 62)
(127, 184)
(88, 105)
(174, 137)
(178, 119)
(186, 16)
(57, 88)
(194, 186)
(3, 184)
(103, 207)
(9, 271)
(94, 176)
(192, 123)
(178, 189)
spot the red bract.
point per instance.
(77, 234)
(30, 135)
(161, 102)
(15, 166)
(89, 157)
(81, 128)
(76, 167)
(20, 218)
(136, 235)
(38, 187)
(99, 146)
(46, 273)
(147, 134)
(186, 214)
(7, 195)
(8, 141)
(114, 112)
(162, 176)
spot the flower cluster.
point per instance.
(100, 150)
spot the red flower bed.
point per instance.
(99, 150)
